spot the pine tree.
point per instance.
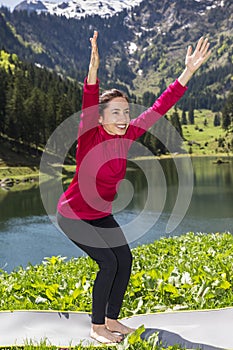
(184, 118)
(161, 142)
(175, 120)
(191, 115)
(174, 141)
(148, 99)
(15, 111)
(227, 112)
(3, 89)
(217, 121)
(34, 107)
(64, 109)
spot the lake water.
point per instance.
(27, 234)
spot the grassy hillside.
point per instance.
(203, 138)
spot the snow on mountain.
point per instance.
(32, 5)
(78, 8)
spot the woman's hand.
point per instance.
(200, 55)
(195, 59)
(94, 60)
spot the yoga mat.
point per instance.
(207, 329)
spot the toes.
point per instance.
(118, 336)
(103, 340)
(112, 338)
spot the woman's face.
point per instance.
(115, 119)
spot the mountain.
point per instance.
(77, 8)
(30, 6)
(142, 48)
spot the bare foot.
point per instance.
(103, 335)
(116, 326)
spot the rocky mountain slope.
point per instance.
(142, 48)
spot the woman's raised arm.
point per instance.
(90, 99)
(174, 91)
(94, 61)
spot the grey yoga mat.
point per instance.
(207, 330)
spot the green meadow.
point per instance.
(203, 138)
(189, 272)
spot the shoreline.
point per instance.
(183, 155)
(20, 176)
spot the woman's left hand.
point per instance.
(200, 55)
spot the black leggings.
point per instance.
(109, 248)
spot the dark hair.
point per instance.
(108, 96)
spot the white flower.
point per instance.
(211, 251)
(207, 269)
(186, 278)
(215, 283)
(40, 300)
(174, 280)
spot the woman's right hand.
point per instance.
(94, 60)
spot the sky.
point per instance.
(13, 3)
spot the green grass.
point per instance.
(131, 342)
(189, 272)
(18, 172)
(208, 137)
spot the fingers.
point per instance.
(204, 50)
(207, 55)
(94, 60)
(202, 46)
(95, 35)
(200, 41)
(189, 50)
(94, 38)
(94, 47)
(205, 47)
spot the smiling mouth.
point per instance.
(121, 126)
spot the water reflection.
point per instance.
(20, 203)
(212, 193)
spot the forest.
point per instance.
(34, 101)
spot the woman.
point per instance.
(85, 209)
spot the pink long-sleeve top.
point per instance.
(101, 158)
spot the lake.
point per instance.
(27, 234)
